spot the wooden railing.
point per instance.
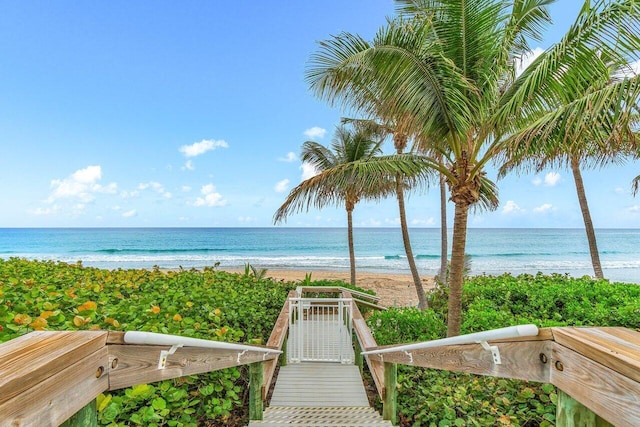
(46, 377)
(596, 370)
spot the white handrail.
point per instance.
(152, 338)
(475, 338)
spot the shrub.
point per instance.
(441, 398)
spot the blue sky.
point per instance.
(159, 113)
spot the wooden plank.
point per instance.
(138, 364)
(277, 340)
(115, 337)
(29, 360)
(520, 360)
(544, 334)
(611, 395)
(319, 385)
(367, 342)
(369, 304)
(390, 404)
(617, 348)
(255, 391)
(57, 397)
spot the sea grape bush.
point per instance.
(206, 304)
(440, 398)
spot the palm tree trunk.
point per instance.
(443, 230)
(454, 317)
(422, 299)
(352, 254)
(586, 215)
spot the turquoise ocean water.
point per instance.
(493, 251)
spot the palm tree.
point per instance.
(448, 66)
(348, 146)
(400, 140)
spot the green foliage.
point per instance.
(205, 304)
(441, 398)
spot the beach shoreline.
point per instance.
(394, 289)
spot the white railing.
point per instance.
(320, 330)
(475, 338)
(176, 342)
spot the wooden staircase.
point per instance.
(320, 394)
(317, 417)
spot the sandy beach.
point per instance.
(393, 289)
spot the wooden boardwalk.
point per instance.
(318, 384)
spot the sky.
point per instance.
(193, 113)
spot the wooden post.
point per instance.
(255, 391)
(571, 413)
(282, 360)
(85, 417)
(390, 403)
(358, 356)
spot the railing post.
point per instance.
(390, 404)
(571, 413)
(85, 417)
(255, 391)
(282, 359)
(359, 358)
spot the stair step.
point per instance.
(312, 417)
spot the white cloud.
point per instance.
(246, 219)
(423, 222)
(512, 207)
(308, 171)
(536, 181)
(52, 210)
(527, 59)
(551, 179)
(186, 188)
(394, 221)
(188, 166)
(281, 186)
(290, 157)
(127, 194)
(633, 69)
(198, 148)
(82, 185)
(544, 208)
(129, 214)
(634, 209)
(620, 190)
(211, 197)
(315, 132)
(156, 187)
(370, 223)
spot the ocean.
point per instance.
(492, 251)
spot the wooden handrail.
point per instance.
(367, 342)
(46, 376)
(598, 367)
(337, 290)
(276, 341)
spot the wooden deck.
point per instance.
(318, 384)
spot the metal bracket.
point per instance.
(240, 355)
(162, 362)
(495, 352)
(410, 356)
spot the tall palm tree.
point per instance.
(448, 65)
(348, 146)
(400, 140)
